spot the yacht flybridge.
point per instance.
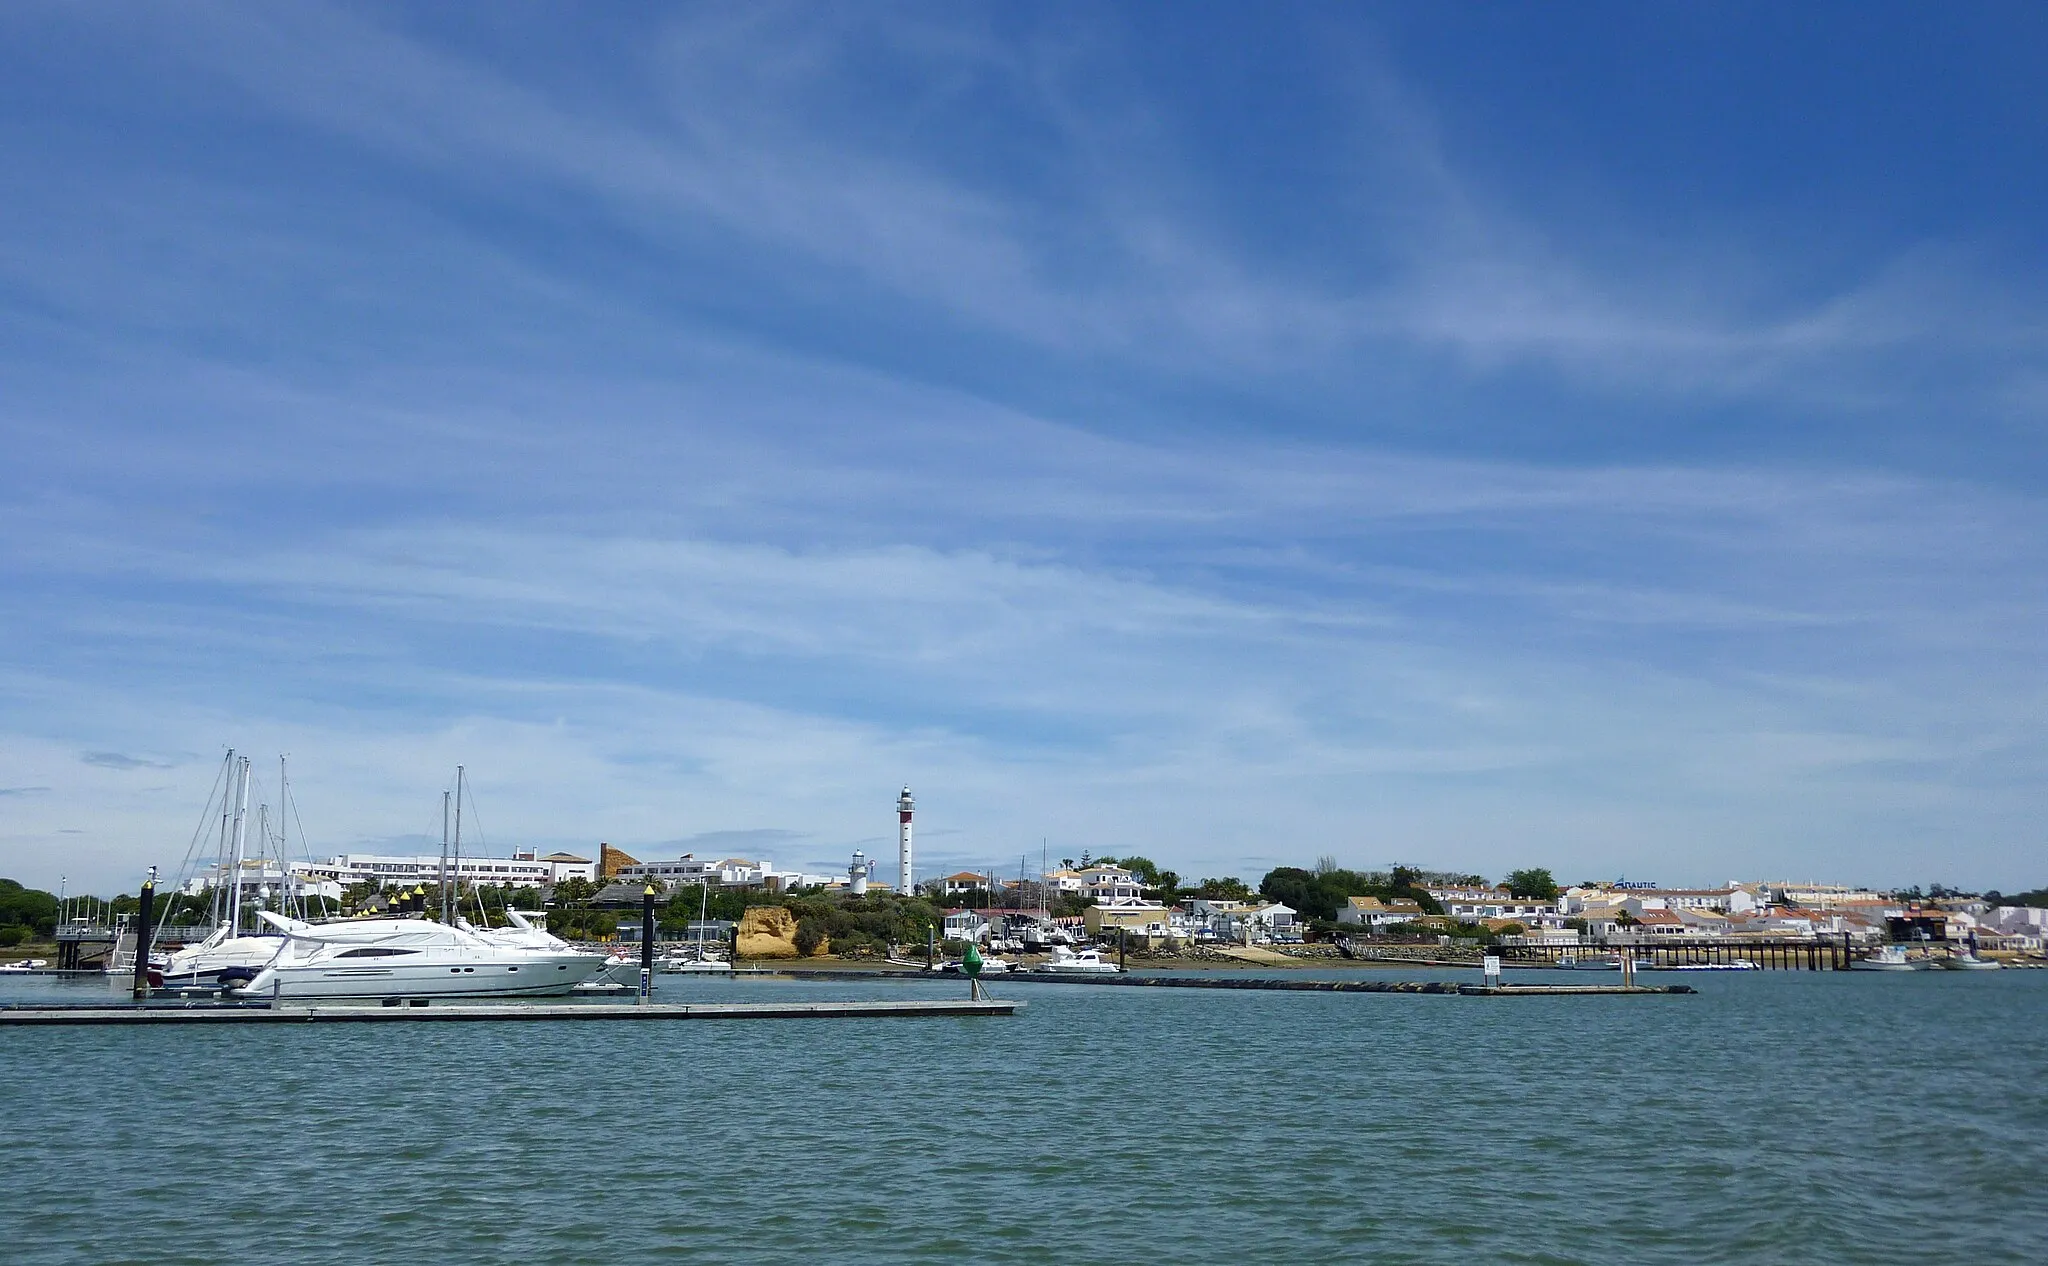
(384, 958)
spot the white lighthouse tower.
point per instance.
(903, 877)
(857, 874)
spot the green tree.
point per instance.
(1228, 888)
(574, 889)
(31, 908)
(1144, 868)
(1534, 884)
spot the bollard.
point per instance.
(143, 917)
(647, 943)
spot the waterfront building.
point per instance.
(730, 872)
(523, 869)
(964, 925)
(1372, 912)
(1820, 896)
(1476, 905)
(1138, 917)
(264, 879)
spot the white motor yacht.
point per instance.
(383, 958)
(223, 959)
(1087, 962)
(220, 959)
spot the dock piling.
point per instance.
(143, 917)
(647, 944)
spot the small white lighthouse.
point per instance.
(904, 872)
(857, 874)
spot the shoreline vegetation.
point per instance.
(820, 929)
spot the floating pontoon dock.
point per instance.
(1335, 986)
(413, 1009)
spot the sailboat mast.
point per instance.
(241, 834)
(288, 899)
(444, 855)
(220, 855)
(456, 879)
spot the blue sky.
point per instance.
(1607, 437)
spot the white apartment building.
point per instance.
(1471, 905)
(521, 870)
(726, 872)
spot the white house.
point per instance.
(965, 881)
(1371, 912)
(1470, 905)
(1109, 884)
(964, 925)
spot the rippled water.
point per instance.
(1774, 1117)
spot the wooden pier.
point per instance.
(459, 1012)
(1832, 952)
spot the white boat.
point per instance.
(1735, 964)
(1598, 962)
(26, 964)
(700, 961)
(687, 965)
(1087, 962)
(220, 959)
(413, 958)
(1887, 958)
(1967, 960)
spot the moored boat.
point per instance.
(1087, 962)
(1887, 958)
(415, 958)
(1967, 960)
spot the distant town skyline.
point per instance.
(1605, 438)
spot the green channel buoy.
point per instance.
(970, 962)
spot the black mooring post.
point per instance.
(1123, 941)
(647, 943)
(143, 916)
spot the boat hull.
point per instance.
(541, 976)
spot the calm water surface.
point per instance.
(1775, 1117)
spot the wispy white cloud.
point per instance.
(737, 127)
(359, 472)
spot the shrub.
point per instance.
(13, 936)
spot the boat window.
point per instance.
(373, 951)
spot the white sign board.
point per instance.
(1492, 964)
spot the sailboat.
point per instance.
(701, 962)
